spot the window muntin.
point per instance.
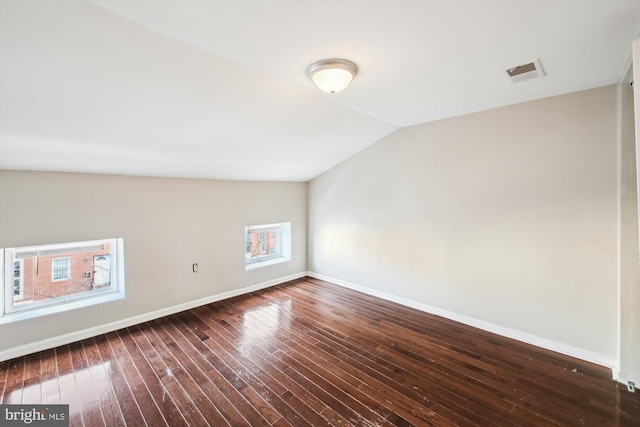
(267, 244)
(57, 277)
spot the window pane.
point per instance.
(51, 272)
(16, 283)
(17, 279)
(264, 244)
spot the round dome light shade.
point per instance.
(332, 75)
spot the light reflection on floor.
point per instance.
(65, 388)
(264, 322)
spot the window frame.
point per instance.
(284, 246)
(12, 309)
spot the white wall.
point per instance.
(167, 225)
(507, 217)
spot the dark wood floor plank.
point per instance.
(160, 408)
(31, 387)
(157, 378)
(91, 413)
(49, 377)
(209, 398)
(124, 396)
(396, 346)
(164, 403)
(306, 350)
(14, 382)
(4, 371)
(67, 382)
(178, 383)
(414, 386)
(318, 382)
(252, 370)
(309, 352)
(248, 362)
(447, 331)
(137, 383)
(111, 411)
(247, 382)
(207, 374)
(405, 409)
(428, 409)
(231, 338)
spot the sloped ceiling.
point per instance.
(218, 89)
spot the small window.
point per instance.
(267, 244)
(17, 279)
(61, 269)
(45, 279)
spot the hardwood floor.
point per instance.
(312, 353)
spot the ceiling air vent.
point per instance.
(520, 73)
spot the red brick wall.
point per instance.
(38, 283)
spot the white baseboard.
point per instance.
(600, 359)
(623, 378)
(6, 354)
(579, 353)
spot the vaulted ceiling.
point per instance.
(218, 89)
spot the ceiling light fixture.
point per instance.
(332, 75)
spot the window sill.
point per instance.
(59, 308)
(265, 263)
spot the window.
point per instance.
(267, 244)
(17, 279)
(38, 280)
(61, 269)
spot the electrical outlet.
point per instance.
(631, 386)
(194, 267)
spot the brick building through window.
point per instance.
(40, 277)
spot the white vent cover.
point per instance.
(522, 72)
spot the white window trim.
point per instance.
(9, 312)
